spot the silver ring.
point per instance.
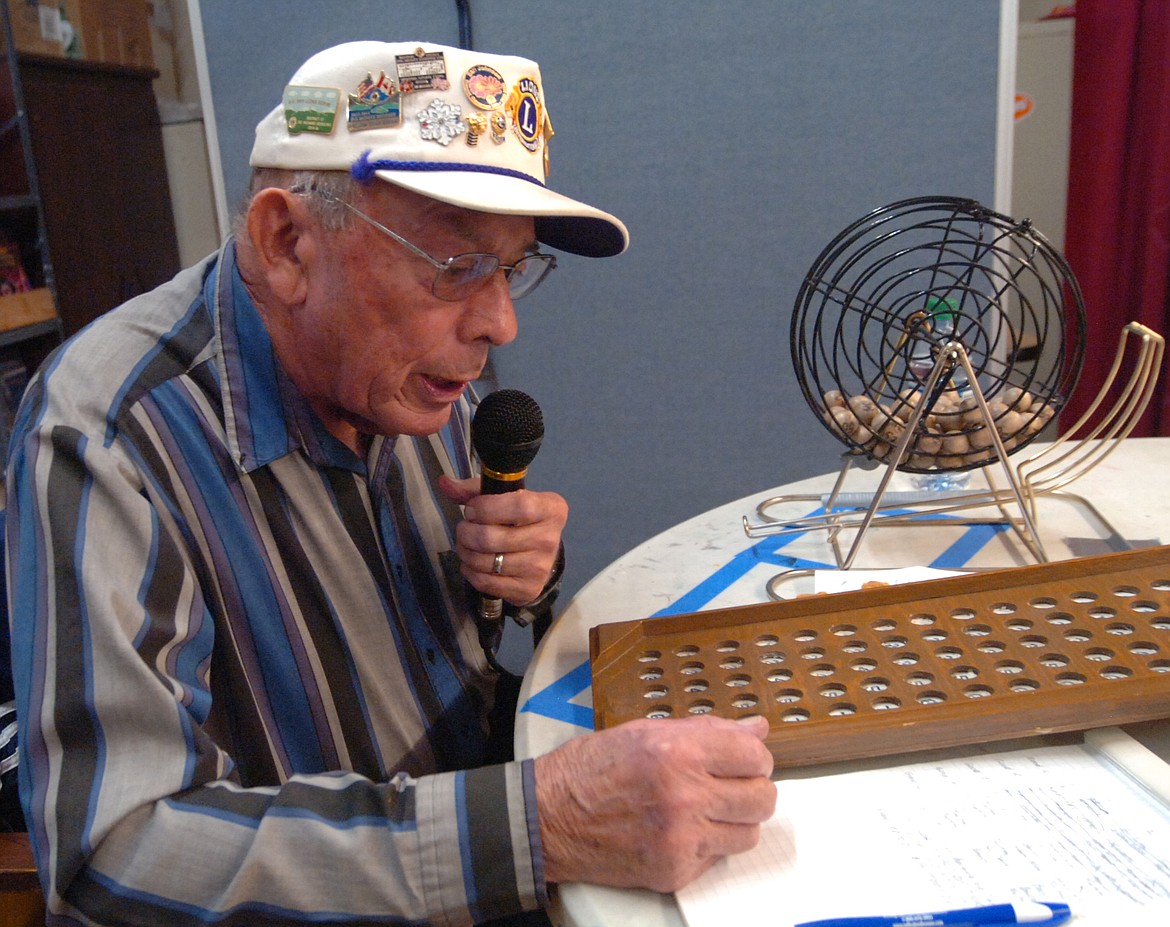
(498, 564)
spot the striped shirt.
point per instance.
(247, 669)
(10, 816)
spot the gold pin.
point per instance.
(484, 87)
(499, 124)
(527, 113)
(477, 124)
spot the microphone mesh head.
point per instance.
(507, 430)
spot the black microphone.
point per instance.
(506, 433)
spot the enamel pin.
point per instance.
(499, 126)
(311, 109)
(374, 105)
(527, 113)
(422, 70)
(477, 124)
(440, 122)
(484, 86)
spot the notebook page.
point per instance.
(1048, 824)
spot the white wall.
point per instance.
(1044, 82)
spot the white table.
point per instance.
(709, 562)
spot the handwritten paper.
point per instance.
(1049, 824)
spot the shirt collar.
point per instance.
(265, 416)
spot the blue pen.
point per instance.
(994, 915)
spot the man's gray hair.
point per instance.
(334, 185)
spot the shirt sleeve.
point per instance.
(134, 810)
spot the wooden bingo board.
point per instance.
(982, 657)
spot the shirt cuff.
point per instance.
(479, 840)
(528, 780)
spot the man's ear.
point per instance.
(284, 244)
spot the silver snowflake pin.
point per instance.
(440, 122)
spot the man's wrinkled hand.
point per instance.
(524, 526)
(653, 803)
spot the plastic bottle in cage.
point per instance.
(936, 329)
(944, 315)
(941, 318)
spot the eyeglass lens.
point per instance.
(465, 272)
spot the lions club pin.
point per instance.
(527, 113)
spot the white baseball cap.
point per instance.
(459, 126)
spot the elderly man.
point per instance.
(246, 541)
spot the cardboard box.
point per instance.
(47, 28)
(116, 32)
(27, 308)
(108, 31)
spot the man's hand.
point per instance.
(524, 526)
(653, 803)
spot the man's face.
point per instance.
(374, 350)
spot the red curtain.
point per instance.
(1117, 239)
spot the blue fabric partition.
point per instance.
(735, 138)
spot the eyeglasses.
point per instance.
(458, 277)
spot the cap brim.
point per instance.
(561, 222)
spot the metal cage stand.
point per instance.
(1048, 471)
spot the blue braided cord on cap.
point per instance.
(363, 168)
